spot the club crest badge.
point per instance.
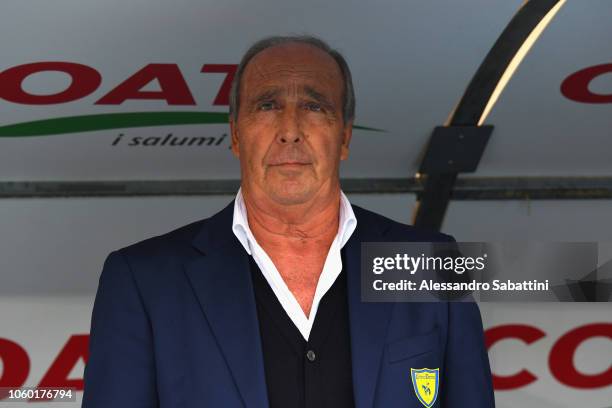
(425, 382)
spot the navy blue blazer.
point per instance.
(174, 325)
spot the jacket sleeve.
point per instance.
(120, 371)
(466, 380)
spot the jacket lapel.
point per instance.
(222, 282)
(368, 321)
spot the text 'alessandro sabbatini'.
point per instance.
(457, 264)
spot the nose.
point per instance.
(289, 130)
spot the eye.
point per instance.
(314, 106)
(266, 106)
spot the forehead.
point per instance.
(292, 64)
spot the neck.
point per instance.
(274, 224)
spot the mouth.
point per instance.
(290, 169)
(290, 164)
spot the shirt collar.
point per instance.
(240, 225)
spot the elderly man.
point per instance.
(260, 305)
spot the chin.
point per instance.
(292, 194)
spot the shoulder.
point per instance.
(181, 242)
(174, 243)
(396, 231)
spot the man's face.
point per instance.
(289, 132)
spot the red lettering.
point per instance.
(15, 365)
(76, 348)
(527, 334)
(576, 86)
(84, 80)
(174, 89)
(222, 97)
(561, 359)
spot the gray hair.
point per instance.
(348, 108)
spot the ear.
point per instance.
(234, 133)
(347, 132)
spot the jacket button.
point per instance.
(311, 356)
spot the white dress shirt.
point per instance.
(331, 268)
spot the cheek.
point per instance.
(255, 139)
(318, 120)
(328, 150)
(254, 157)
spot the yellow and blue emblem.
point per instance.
(425, 382)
